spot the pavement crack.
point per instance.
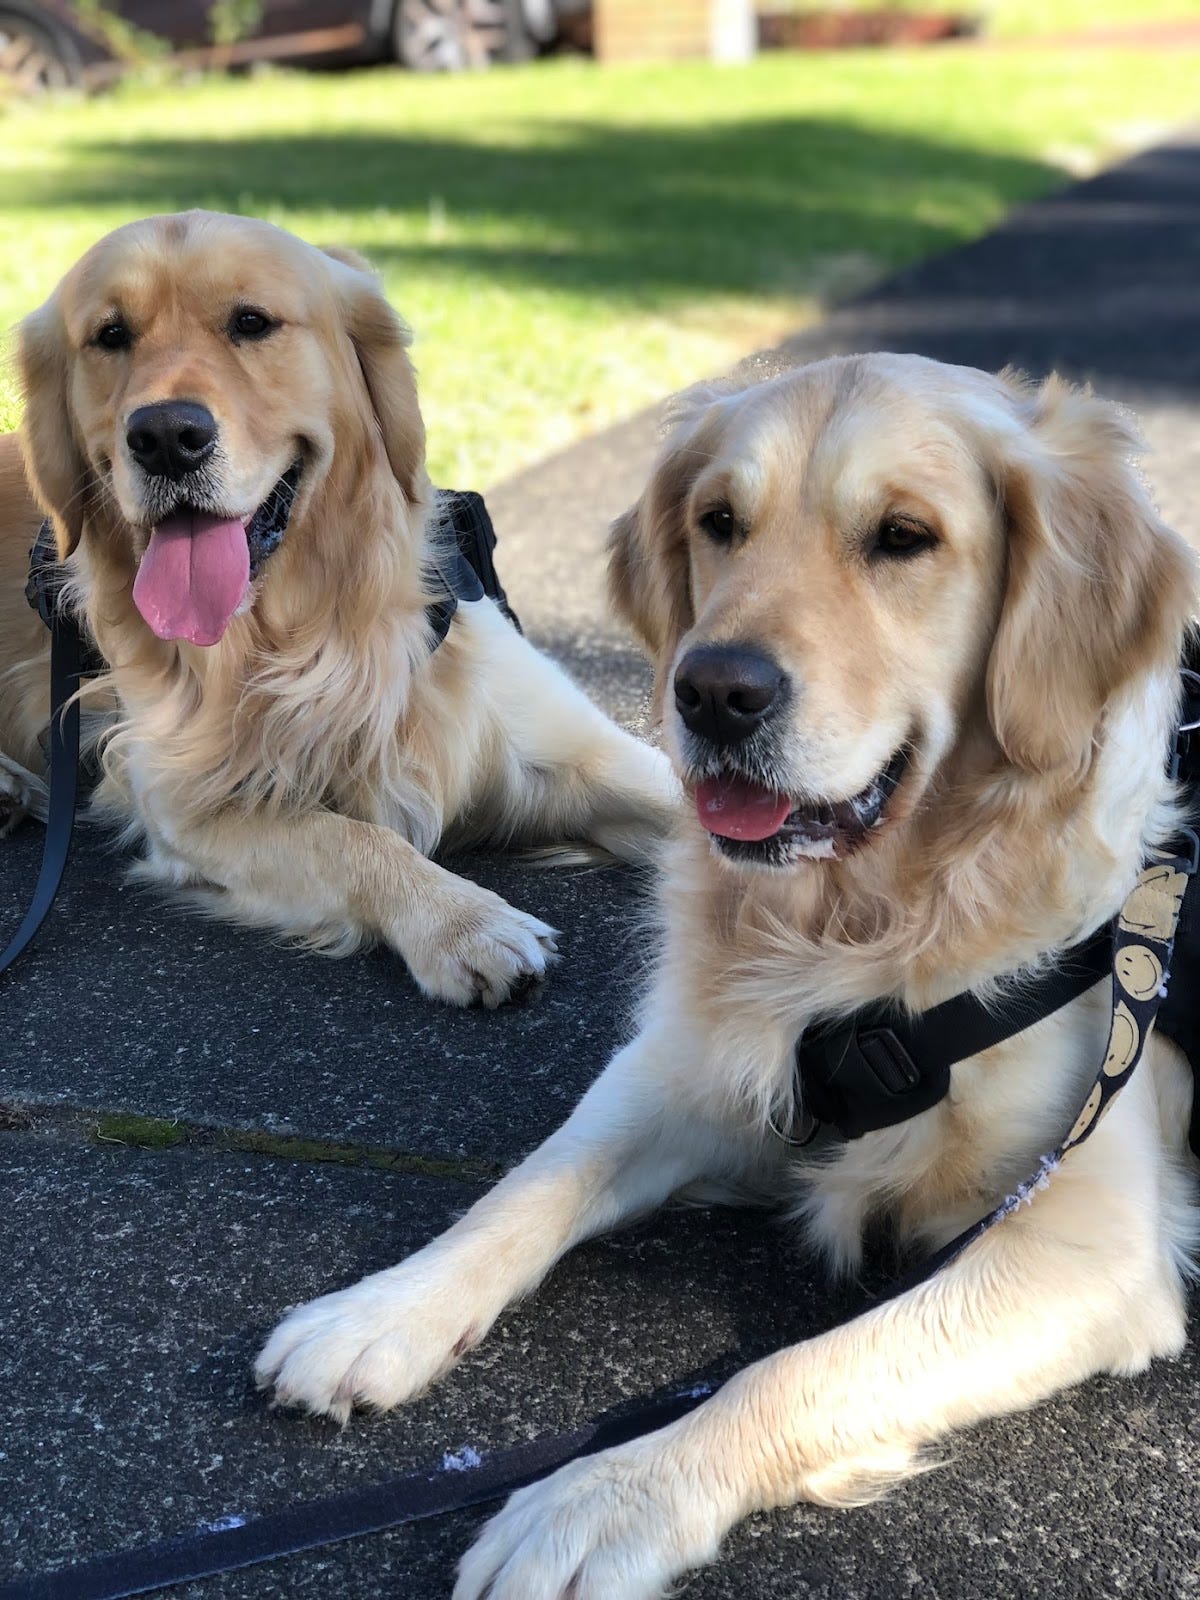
(135, 1131)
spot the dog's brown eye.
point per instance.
(898, 536)
(114, 335)
(719, 524)
(250, 324)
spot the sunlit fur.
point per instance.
(306, 765)
(1035, 653)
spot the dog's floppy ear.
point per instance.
(1098, 589)
(649, 581)
(381, 339)
(54, 462)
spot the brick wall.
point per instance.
(667, 30)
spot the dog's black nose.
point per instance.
(171, 439)
(725, 691)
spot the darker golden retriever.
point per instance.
(222, 423)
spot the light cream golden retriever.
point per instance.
(222, 423)
(920, 629)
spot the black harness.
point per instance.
(466, 568)
(463, 563)
(881, 1065)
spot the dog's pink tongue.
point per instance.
(738, 809)
(193, 577)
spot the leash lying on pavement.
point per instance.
(464, 1480)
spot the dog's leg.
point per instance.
(581, 777)
(630, 793)
(335, 882)
(623, 1151)
(1078, 1283)
(614, 791)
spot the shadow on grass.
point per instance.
(743, 207)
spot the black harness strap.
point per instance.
(880, 1066)
(466, 569)
(67, 665)
(1143, 954)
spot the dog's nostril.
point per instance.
(687, 696)
(750, 700)
(195, 439)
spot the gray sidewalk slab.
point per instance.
(137, 1284)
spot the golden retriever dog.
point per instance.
(918, 632)
(222, 423)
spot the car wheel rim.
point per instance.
(25, 65)
(448, 35)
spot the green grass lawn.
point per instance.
(568, 242)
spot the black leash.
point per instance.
(464, 1479)
(66, 667)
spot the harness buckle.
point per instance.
(857, 1075)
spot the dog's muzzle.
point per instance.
(754, 823)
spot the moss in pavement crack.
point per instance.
(158, 1133)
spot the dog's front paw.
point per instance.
(478, 949)
(377, 1344)
(622, 1525)
(21, 795)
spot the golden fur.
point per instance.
(304, 766)
(1028, 655)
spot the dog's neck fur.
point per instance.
(994, 872)
(302, 702)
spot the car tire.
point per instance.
(450, 35)
(32, 59)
